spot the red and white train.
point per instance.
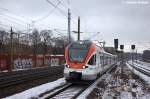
(85, 60)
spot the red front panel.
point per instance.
(79, 65)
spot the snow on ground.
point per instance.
(90, 89)
(36, 91)
(144, 63)
(124, 85)
(141, 75)
(139, 64)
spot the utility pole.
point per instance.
(69, 18)
(78, 28)
(11, 49)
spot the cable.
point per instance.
(12, 21)
(15, 19)
(21, 16)
(61, 11)
(8, 26)
(18, 20)
(44, 17)
(73, 13)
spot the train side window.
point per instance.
(92, 60)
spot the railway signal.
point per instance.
(132, 56)
(121, 47)
(132, 47)
(116, 44)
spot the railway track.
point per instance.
(145, 71)
(19, 77)
(69, 90)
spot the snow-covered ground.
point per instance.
(36, 91)
(141, 66)
(91, 88)
(144, 63)
(119, 85)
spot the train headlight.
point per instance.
(67, 66)
(83, 67)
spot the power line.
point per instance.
(13, 18)
(61, 11)
(12, 21)
(72, 13)
(21, 16)
(44, 17)
(7, 26)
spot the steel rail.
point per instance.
(9, 79)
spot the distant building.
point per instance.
(146, 55)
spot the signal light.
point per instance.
(67, 66)
(116, 43)
(132, 47)
(121, 46)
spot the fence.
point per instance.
(29, 61)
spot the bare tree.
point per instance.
(59, 44)
(46, 36)
(35, 40)
(2, 34)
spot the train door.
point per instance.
(92, 60)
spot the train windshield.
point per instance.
(77, 55)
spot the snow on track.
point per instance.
(144, 77)
(36, 91)
(70, 92)
(90, 89)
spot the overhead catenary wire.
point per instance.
(11, 21)
(61, 11)
(74, 15)
(21, 16)
(8, 26)
(13, 18)
(47, 15)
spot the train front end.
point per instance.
(77, 56)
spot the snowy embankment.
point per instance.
(119, 85)
(144, 63)
(91, 88)
(36, 91)
(141, 75)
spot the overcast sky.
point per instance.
(127, 20)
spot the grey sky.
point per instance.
(128, 20)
